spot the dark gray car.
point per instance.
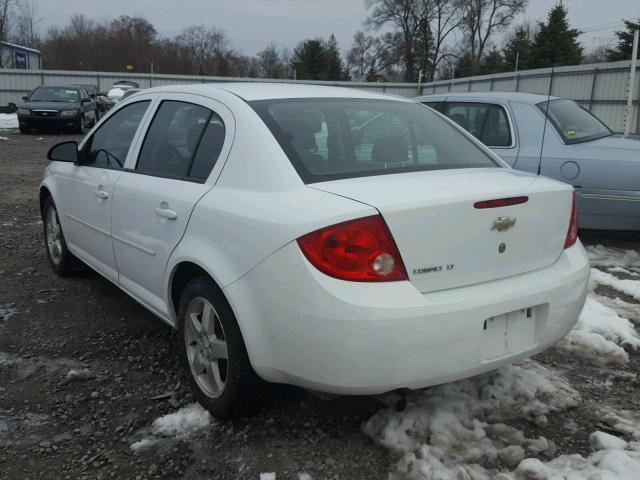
(64, 106)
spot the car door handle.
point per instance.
(167, 213)
(102, 194)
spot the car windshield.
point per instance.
(573, 122)
(55, 94)
(334, 138)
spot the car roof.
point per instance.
(251, 91)
(521, 97)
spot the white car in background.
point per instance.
(333, 239)
(119, 89)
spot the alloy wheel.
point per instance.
(206, 347)
(54, 236)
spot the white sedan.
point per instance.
(333, 239)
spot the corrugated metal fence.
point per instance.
(601, 88)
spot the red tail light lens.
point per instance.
(572, 233)
(359, 250)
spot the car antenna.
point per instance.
(546, 116)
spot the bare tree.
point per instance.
(206, 47)
(270, 62)
(447, 16)
(371, 58)
(483, 18)
(26, 22)
(408, 17)
(6, 10)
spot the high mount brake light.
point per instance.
(572, 232)
(360, 250)
(501, 202)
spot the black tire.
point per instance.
(242, 386)
(24, 129)
(81, 128)
(66, 264)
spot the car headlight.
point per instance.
(24, 111)
(69, 113)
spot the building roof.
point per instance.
(20, 47)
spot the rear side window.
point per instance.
(109, 145)
(487, 122)
(333, 138)
(184, 141)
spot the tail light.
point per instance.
(359, 250)
(572, 233)
(501, 202)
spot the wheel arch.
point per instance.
(44, 194)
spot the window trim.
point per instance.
(512, 132)
(102, 123)
(156, 110)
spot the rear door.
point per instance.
(488, 122)
(172, 168)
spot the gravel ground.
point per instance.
(54, 427)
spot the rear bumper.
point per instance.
(304, 328)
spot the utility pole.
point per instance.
(515, 72)
(630, 90)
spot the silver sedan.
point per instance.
(571, 145)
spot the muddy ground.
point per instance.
(54, 427)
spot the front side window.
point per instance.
(109, 145)
(55, 94)
(487, 122)
(183, 141)
(573, 122)
(333, 138)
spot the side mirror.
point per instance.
(64, 152)
(85, 100)
(25, 98)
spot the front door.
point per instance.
(86, 192)
(155, 197)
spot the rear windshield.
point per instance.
(335, 138)
(573, 122)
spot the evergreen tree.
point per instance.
(625, 42)
(318, 60)
(465, 66)
(309, 60)
(493, 62)
(518, 47)
(556, 44)
(334, 69)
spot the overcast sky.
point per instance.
(252, 24)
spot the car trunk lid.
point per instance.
(446, 242)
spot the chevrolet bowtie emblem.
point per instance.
(503, 223)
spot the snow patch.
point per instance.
(601, 256)
(183, 423)
(457, 431)
(8, 121)
(268, 476)
(628, 287)
(447, 432)
(600, 334)
(82, 373)
(144, 444)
